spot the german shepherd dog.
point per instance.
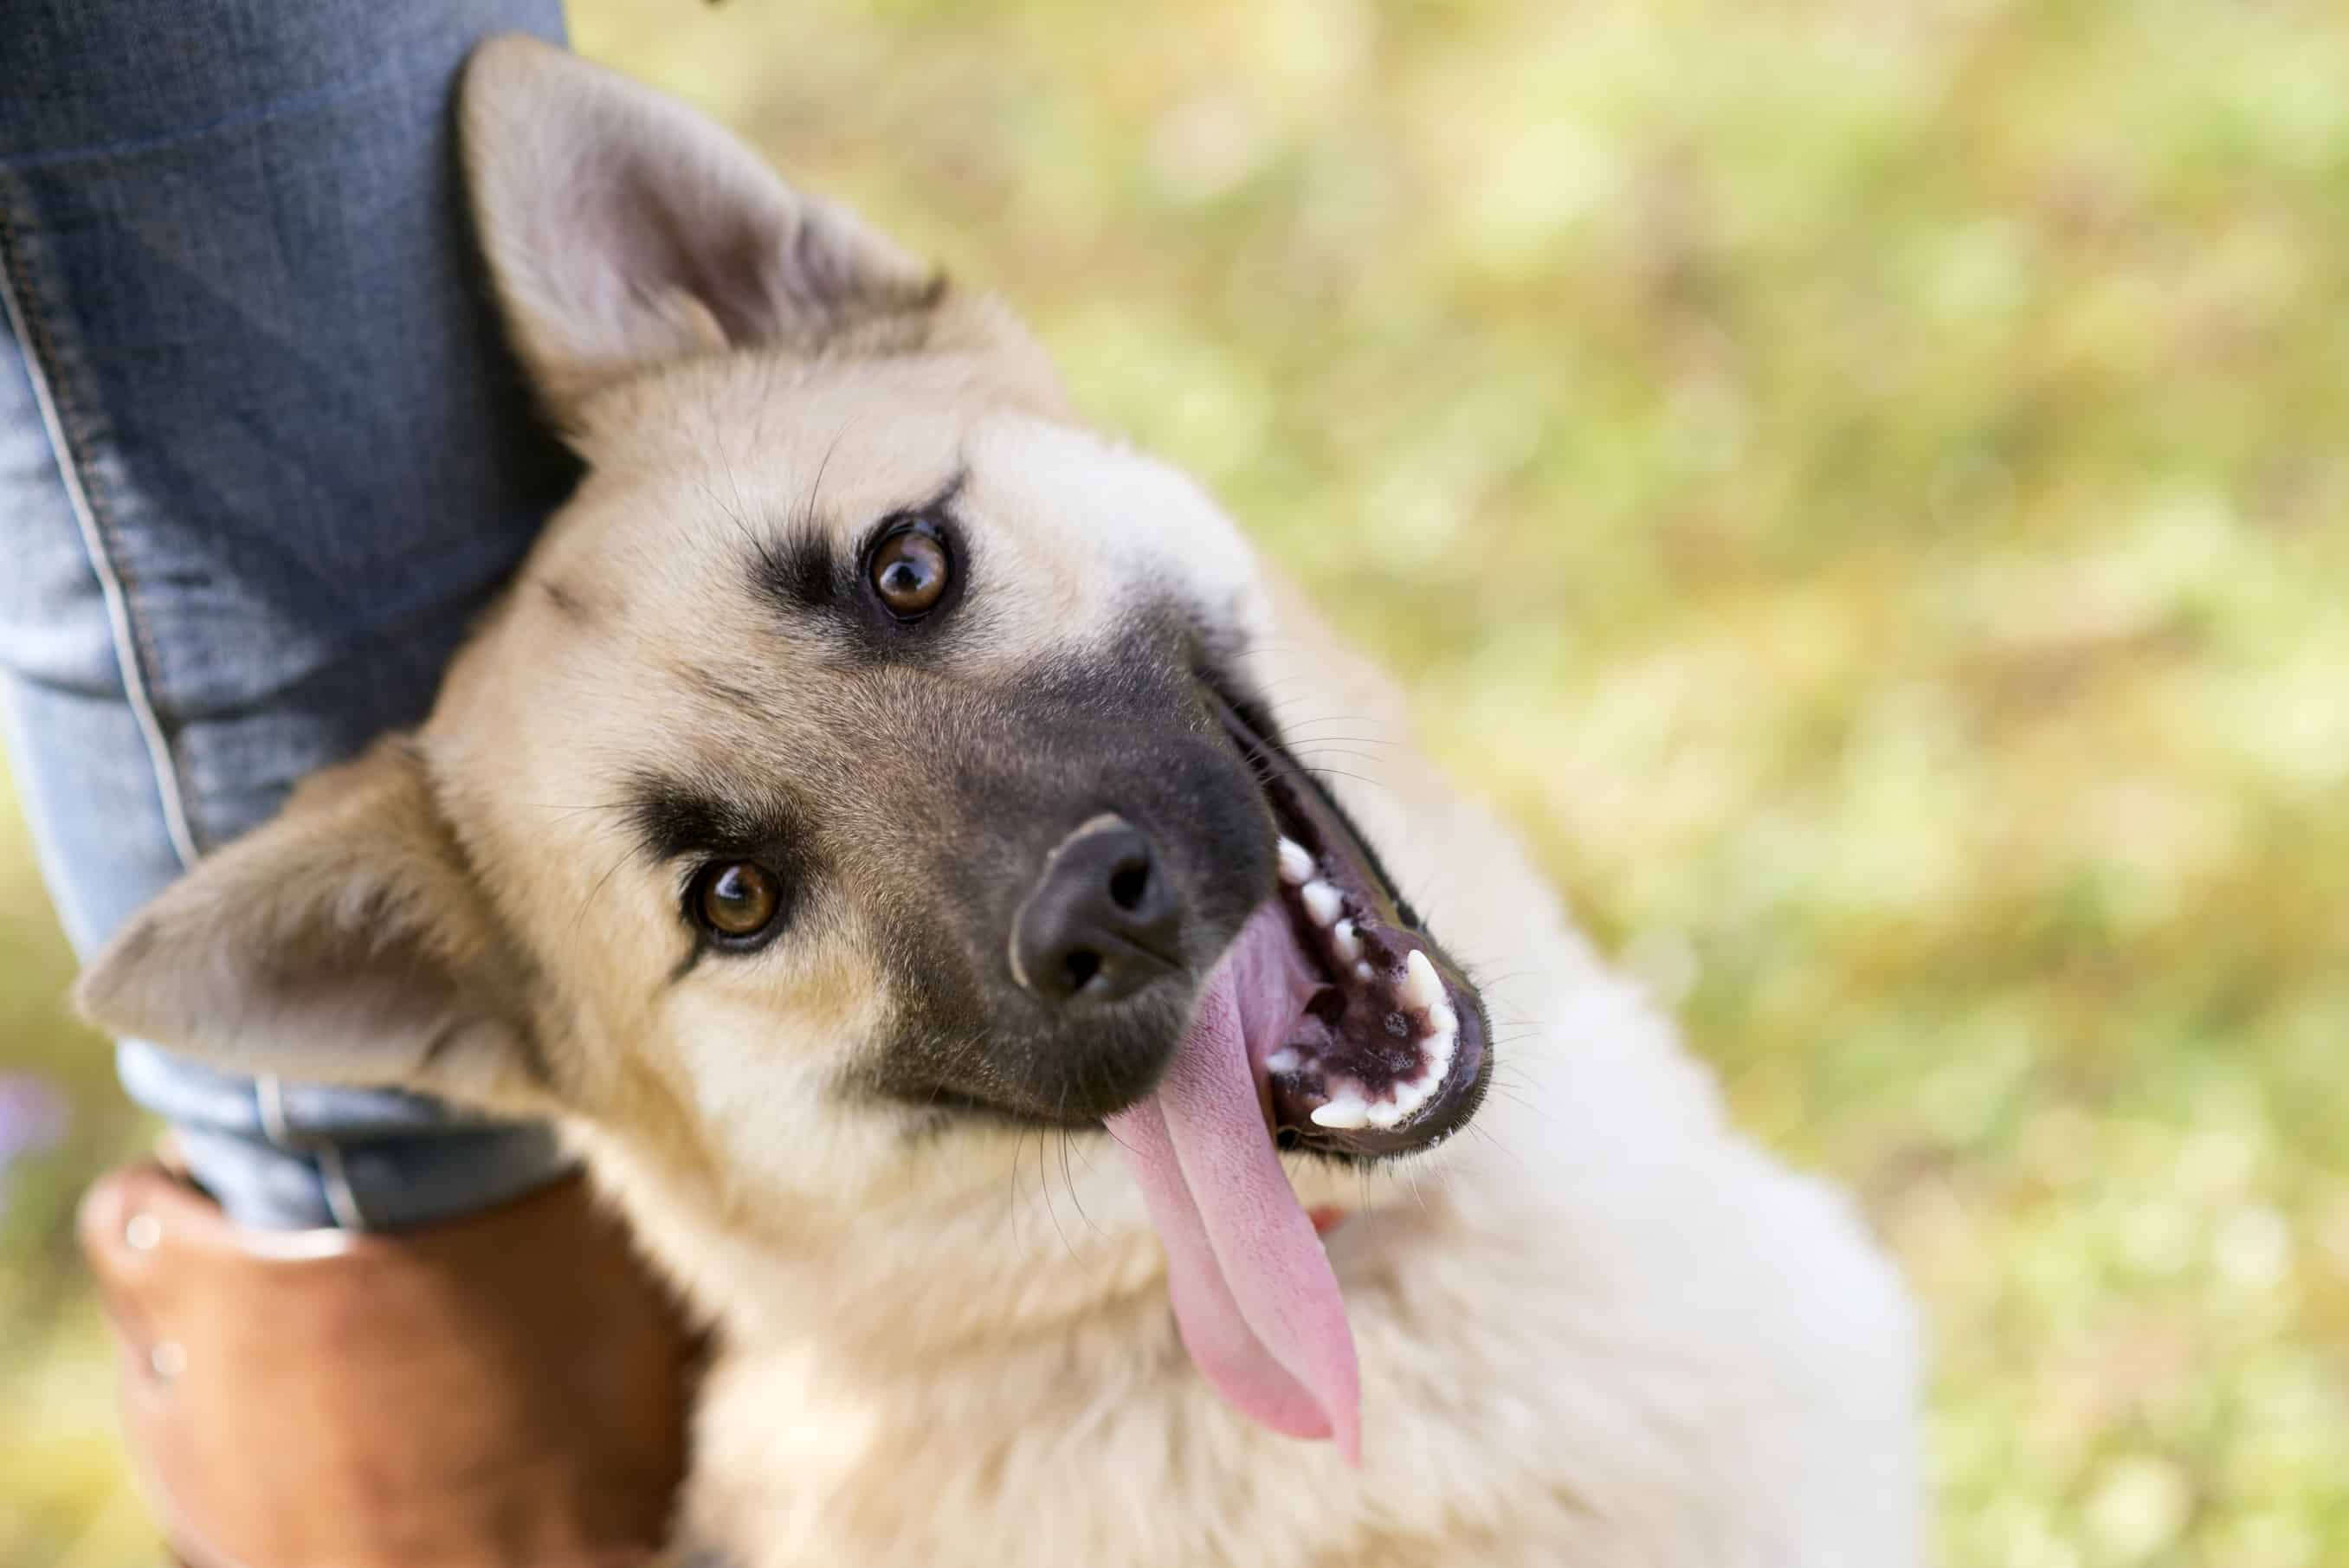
(871, 799)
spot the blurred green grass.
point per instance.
(1864, 483)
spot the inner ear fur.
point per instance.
(347, 941)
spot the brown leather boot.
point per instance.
(503, 1392)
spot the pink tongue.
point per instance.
(1254, 1296)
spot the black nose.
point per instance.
(1101, 924)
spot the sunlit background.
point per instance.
(1864, 483)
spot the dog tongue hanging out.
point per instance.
(864, 828)
(1326, 1023)
(1254, 1292)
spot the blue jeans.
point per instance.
(263, 457)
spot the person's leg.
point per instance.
(262, 459)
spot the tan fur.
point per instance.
(1601, 1328)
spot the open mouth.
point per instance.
(1331, 1022)
(1366, 1040)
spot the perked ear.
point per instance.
(623, 229)
(346, 941)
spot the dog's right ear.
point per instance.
(345, 942)
(623, 229)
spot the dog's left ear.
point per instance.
(623, 229)
(345, 942)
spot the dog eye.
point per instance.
(909, 571)
(735, 900)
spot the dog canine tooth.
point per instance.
(1421, 988)
(1296, 863)
(1345, 1111)
(1323, 902)
(1348, 945)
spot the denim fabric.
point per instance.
(262, 459)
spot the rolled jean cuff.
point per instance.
(293, 1156)
(382, 1184)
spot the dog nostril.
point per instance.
(1129, 883)
(1100, 922)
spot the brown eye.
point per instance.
(910, 573)
(736, 899)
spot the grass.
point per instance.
(1864, 483)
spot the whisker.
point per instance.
(1316, 749)
(1044, 1191)
(1341, 773)
(1011, 1198)
(575, 810)
(579, 913)
(1070, 1181)
(1487, 1134)
(1517, 1100)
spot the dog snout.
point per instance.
(1101, 922)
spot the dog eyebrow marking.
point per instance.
(673, 816)
(798, 571)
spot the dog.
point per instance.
(866, 825)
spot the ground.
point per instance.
(1864, 482)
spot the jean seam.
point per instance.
(333, 1177)
(134, 651)
(135, 655)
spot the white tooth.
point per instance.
(1284, 1060)
(1440, 1052)
(1343, 1114)
(1323, 901)
(1348, 945)
(1362, 970)
(1387, 1112)
(1421, 987)
(1296, 863)
(1443, 1024)
(1439, 1061)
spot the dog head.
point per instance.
(868, 760)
